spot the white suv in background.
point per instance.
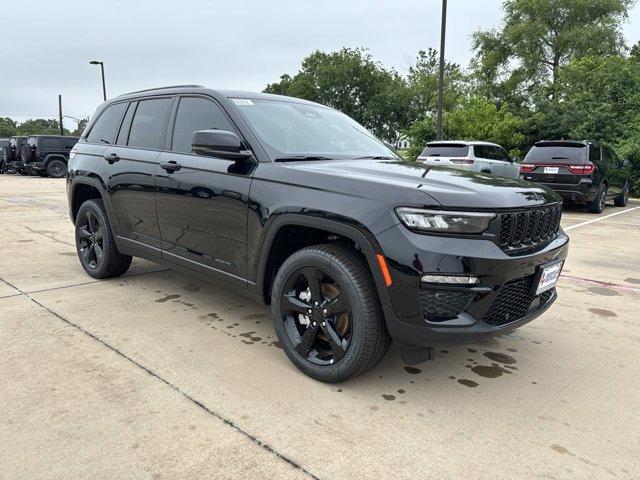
(482, 157)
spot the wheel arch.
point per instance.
(81, 190)
(364, 241)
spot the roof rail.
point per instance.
(162, 88)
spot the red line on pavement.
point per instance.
(615, 286)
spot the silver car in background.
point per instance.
(474, 156)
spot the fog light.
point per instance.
(451, 279)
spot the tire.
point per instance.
(623, 199)
(356, 321)
(597, 205)
(93, 230)
(56, 169)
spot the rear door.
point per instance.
(128, 170)
(485, 159)
(202, 201)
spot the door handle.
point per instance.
(170, 166)
(112, 158)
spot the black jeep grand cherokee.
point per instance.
(300, 207)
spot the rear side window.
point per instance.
(51, 143)
(149, 123)
(594, 154)
(445, 150)
(550, 153)
(196, 114)
(106, 127)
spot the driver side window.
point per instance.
(196, 113)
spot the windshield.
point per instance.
(289, 129)
(445, 150)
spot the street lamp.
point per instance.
(441, 69)
(104, 88)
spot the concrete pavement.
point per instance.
(158, 375)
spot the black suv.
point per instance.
(299, 206)
(47, 154)
(11, 155)
(580, 171)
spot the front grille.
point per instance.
(442, 305)
(514, 301)
(528, 228)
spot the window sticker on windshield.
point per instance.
(242, 101)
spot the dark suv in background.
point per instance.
(11, 155)
(47, 154)
(580, 171)
(4, 144)
(301, 207)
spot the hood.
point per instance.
(451, 188)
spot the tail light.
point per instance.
(527, 167)
(462, 161)
(582, 169)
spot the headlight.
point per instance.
(444, 222)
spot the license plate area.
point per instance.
(551, 170)
(547, 277)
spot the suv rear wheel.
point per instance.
(56, 169)
(623, 199)
(95, 244)
(598, 203)
(326, 313)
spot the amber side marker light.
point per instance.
(385, 269)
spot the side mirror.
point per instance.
(626, 163)
(219, 143)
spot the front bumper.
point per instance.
(427, 315)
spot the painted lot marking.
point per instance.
(600, 283)
(582, 224)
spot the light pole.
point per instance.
(441, 69)
(104, 88)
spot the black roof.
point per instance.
(568, 143)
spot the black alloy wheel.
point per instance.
(598, 203)
(56, 169)
(317, 316)
(623, 199)
(90, 240)
(326, 313)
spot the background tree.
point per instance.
(540, 36)
(352, 82)
(7, 127)
(40, 126)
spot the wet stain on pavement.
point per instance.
(607, 292)
(191, 287)
(412, 370)
(388, 397)
(632, 280)
(500, 358)
(472, 350)
(166, 298)
(468, 383)
(25, 241)
(374, 408)
(490, 371)
(603, 312)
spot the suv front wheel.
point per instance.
(95, 244)
(326, 313)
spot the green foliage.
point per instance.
(352, 82)
(40, 126)
(7, 127)
(474, 119)
(538, 37)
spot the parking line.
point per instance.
(600, 218)
(600, 283)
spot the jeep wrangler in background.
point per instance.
(11, 155)
(4, 144)
(300, 207)
(47, 155)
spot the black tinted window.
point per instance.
(555, 153)
(126, 124)
(445, 150)
(51, 143)
(196, 114)
(480, 151)
(501, 154)
(594, 154)
(149, 121)
(106, 127)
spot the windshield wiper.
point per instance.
(301, 158)
(376, 157)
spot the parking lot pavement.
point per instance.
(158, 373)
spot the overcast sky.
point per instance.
(45, 46)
